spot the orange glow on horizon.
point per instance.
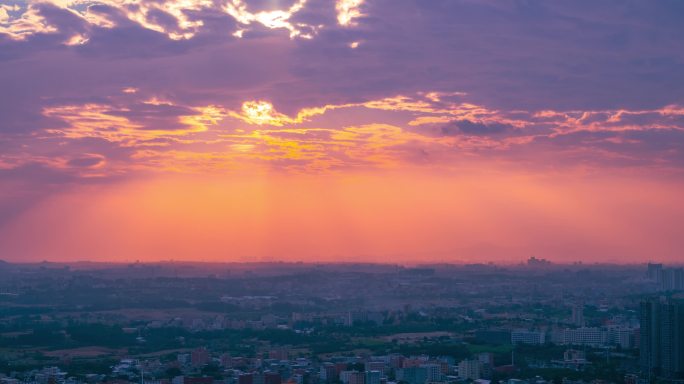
(390, 217)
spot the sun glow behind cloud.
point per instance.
(25, 24)
(272, 19)
(347, 11)
(424, 129)
(262, 112)
(177, 19)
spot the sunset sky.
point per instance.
(342, 130)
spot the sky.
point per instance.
(399, 131)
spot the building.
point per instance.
(272, 378)
(634, 379)
(375, 365)
(522, 336)
(572, 359)
(279, 354)
(661, 346)
(434, 372)
(183, 358)
(246, 378)
(199, 357)
(578, 315)
(396, 361)
(198, 380)
(469, 369)
(622, 336)
(412, 375)
(373, 377)
(344, 376)
(668, 279)
(655, 272)
(486, 360)
(328, 372)
(672, 279)
(574, 355)
(537, 263)
(356, 377)
(591, 336)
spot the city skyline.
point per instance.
(341, 323)
(341, 131)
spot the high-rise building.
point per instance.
(661, 347)
(655, 272)
(672, 279)
(328, 373)
(469, 369)
(578, 315)
(434, 372)
(486, 360)
(345, 376)
(668, 279)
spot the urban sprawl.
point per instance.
(298, 323)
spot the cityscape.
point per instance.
(273, 323)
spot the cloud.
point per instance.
(455, 80)
(87, 161)
(347, 11)
(154, 115)
(132, 124)
(468, 127)
(175, 19)
(273, 19)
(399, 130)
(30, 22)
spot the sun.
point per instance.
(263, 113)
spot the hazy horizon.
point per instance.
(342, 263)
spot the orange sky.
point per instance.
(466, 216)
